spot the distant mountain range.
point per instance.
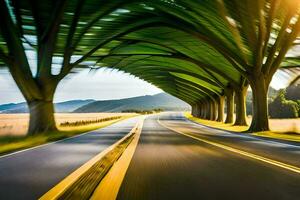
(160, 101)
(62, 107)
(163, 101)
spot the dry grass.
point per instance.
(17, 140)
(285, 125)
(17, 124)
(285, 129)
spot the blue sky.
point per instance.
(101, 85)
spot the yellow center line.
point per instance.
(244, 153)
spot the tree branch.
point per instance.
(69, 48)
(6, 59)
(19, 68)
(140, 24)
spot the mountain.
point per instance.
(70, 106)
(61, 107)
(12, 106)
(163, 101)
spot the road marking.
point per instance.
(62, 186)
(260, 138)
(244, 153)
(109, 187)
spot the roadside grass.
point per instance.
(291, 133)
(17, 124)
(10, 144)
(215, 124)
(290, 136)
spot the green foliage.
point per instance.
(190, 49)
(282, 108)
(88, 122)
(143, 112)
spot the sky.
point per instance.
(102, 85)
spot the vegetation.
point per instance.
(201, 52)
(283, 108)
(87, 122)
(157, 110)
(284, 129)
(62, 33)
(17, 124)
(14, 143)
(225, 37)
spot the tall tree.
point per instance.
(70, 31)
(253, 35)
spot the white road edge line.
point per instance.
(244, 153)
(244, 136)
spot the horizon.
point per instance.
(84, 86)
(98, 99)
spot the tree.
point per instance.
(224, 43)
(70, 31)
(254, 36)
(210, 68)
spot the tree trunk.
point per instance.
(42, 110)
(203, 110)
(221, 109)
(211, 110)
(206, 110)
(214, 110)
(230, 106)
(194, 110)
(41, 117)
(240, 96)
(260, 121)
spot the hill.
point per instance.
(163, 101)
(62, 107)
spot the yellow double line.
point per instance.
(244, 153)
(108, 188)
(61, 187)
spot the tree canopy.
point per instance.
(194, 50)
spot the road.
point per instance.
(169, 165)
(166, 164)
(30, 174)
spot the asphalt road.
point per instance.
(167, 165)
(30, 174)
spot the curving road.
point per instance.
(165, 165)
(169, 165)
(30, 174)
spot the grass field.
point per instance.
(285, 129)
(13, 129)
(17, 124)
